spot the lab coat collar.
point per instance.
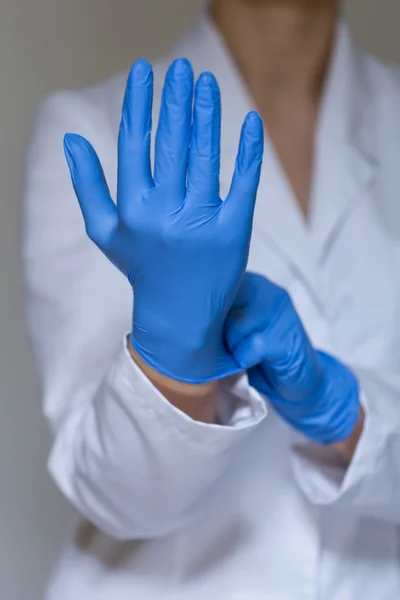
(345, 102)
(344, 157)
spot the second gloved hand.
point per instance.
(183, 249)
(311, 390)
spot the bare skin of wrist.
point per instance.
(348, 447)
(199, 402)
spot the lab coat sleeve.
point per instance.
(122, 454)
(370, 485)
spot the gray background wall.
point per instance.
(46, 45)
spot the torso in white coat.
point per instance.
(270, 517)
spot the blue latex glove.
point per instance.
(311, 390)
(183, 249)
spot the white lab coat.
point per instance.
(249, 509)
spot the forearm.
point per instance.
(197, 401)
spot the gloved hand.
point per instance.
(311, 390)
(183, 249)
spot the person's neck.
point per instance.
(281, 47)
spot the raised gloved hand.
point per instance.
(182, 248)
(311, 390)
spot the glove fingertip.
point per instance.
(78, 151)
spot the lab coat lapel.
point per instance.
(345, 164)
(279, 221)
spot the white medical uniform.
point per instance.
(247, 510)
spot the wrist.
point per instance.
(199, 401)
(183, 356)
(348, 447)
